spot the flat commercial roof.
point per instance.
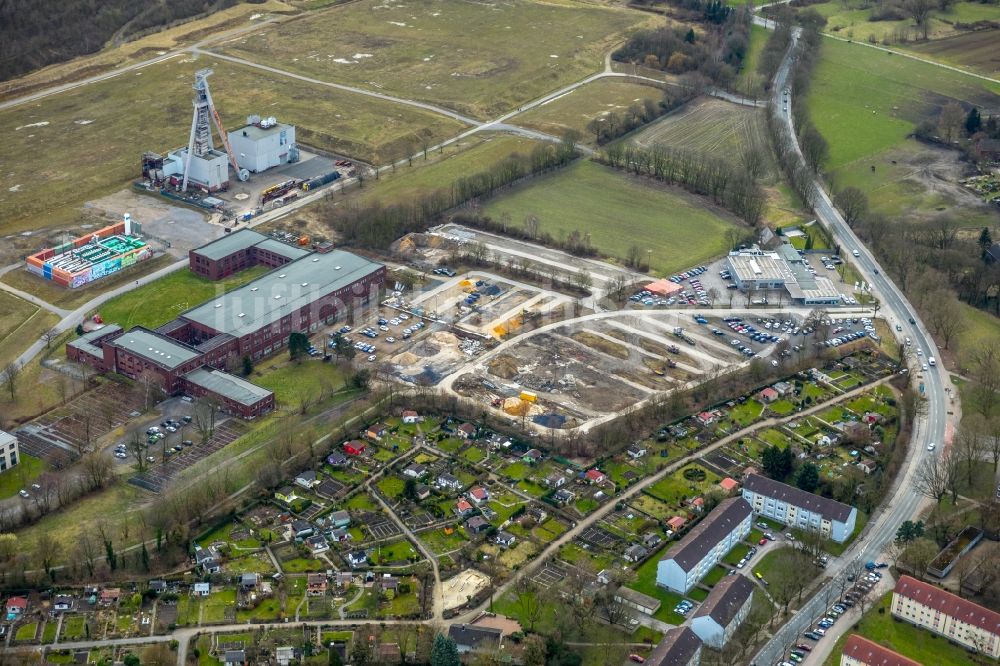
(157, 348)
(225, 246)
(284, 249)
(256, 133)
(86, 341)
(758, 266)
(227, 385)
(6, 438)
(283, 290)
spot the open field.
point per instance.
(864, 101)
(294, 382)
(980, 327)
(21, 323)
(975, 50)
(479, 59)
(83, 144)
(576, 109)
(848, 20)
(918, 644)
(618, 211)
(21, 476)
(474, 154)
(709, 125)
(724, 130)
(160, 301)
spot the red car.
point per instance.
(804, 647)
(762, 542)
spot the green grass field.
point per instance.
(918, 644)
(293, 381)
(864, 101)
(21, 323)
(619, 211)
(749, 80)
(479, 60)
(848, 20)
(160, 301)
(980, 327)
(89, 142)
(472, 155)
(576, 109)
(21, 476)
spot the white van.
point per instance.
(931, 361)
(856, 253)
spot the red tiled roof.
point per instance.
(728, 483)
(595, 474)
(949, 604)
(873, 654)
(17, 602)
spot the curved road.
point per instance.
(904, 501)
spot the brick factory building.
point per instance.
(303, 292)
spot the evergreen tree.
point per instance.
(335, 659)
(973, 121)
(79, 329)
(444, 652)
(808, 477)
(298, 345)
(247, 366)
(985, 242)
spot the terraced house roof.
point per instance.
(709, 532)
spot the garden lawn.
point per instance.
(716, 574)
(619, 211)
(21, 476)
(918, 644)
(645, 582)
(736, 554)
(391, 486)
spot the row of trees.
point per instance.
(730, 185)
(377, 226)
(610, 126)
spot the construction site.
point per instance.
(256, 168)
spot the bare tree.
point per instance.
(149, 379)
(920, 12)
(96, 469)
(205, 412)
(932, 477)
(48, 336)
(9, 376)
(136, 447)
(853, 204)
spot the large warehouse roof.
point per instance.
(227, 385)
(157, 348)
(280, 292)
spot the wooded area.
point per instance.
(37, 33)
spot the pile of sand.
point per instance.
(407, 358)
(444, 338)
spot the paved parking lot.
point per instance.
(157, 476)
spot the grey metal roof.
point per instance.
(284, 249)
(675, 648)
(225, 246)
(474, 637)
(282, 291)
(710, 531)
(228, 385)
(726, 599)
(86, 341)
(156, 348)
(831, 510)
(6, 438)
(638, 598)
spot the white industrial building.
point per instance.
(263, 143)
(209, 171)
(10, 454)
(755, 269)
(704, 546)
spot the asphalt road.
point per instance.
(904, 502)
